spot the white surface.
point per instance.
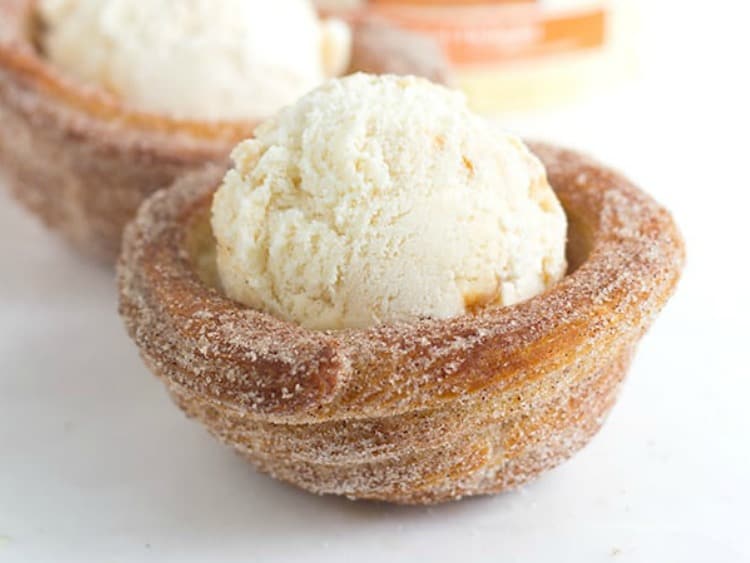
(97, 465)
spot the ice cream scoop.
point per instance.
(382, 199)
(234, 59)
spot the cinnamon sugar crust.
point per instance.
(83, 161)
(418, 412)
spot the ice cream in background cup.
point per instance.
(197, 59)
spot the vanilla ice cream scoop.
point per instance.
(200, 59)
(376, 199)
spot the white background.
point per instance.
(97, 465)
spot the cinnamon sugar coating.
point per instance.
(418, 412)
(78, 158)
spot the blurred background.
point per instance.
(518, 54)
(97, 465)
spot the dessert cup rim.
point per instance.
(279, 370)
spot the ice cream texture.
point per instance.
(384, 199)
(196, 59)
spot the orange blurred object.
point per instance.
(519, 54)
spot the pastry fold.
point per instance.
(418, 412)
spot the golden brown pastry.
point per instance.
(82, 160)
(418, 412)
